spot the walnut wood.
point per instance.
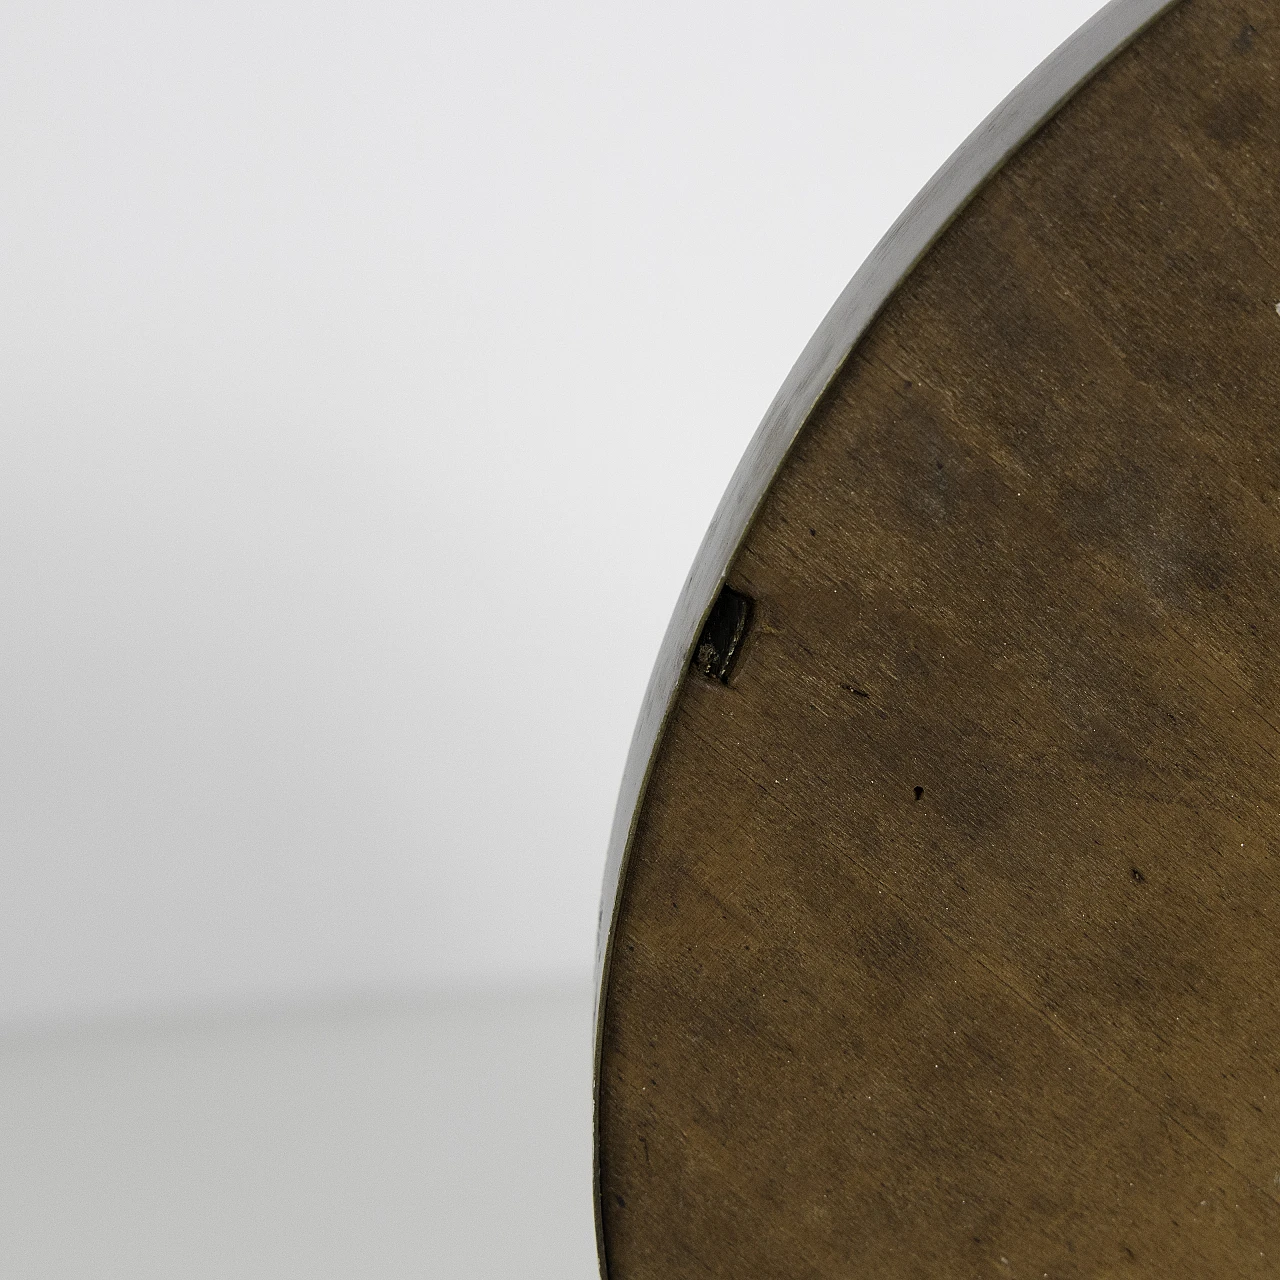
(947, 945)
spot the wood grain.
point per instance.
(947, 946)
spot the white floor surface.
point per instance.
(445, 1137)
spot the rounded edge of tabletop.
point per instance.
(941, 200)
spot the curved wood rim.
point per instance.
(943, 198)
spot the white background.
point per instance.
(370, 374)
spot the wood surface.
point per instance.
(947, 944)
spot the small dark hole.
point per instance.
(813, 533)
(721, 639)
(1137, 875)
(919, 791)
(622, 1204)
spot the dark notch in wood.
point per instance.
(722, 636)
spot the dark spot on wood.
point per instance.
(1243, 43)
(1233, 118)
(1137, 875)
(918, 792)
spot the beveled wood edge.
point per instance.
(941, 200)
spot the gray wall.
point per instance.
(371, 373)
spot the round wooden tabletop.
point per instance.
(941, 928)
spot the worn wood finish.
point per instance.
(947, 946)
